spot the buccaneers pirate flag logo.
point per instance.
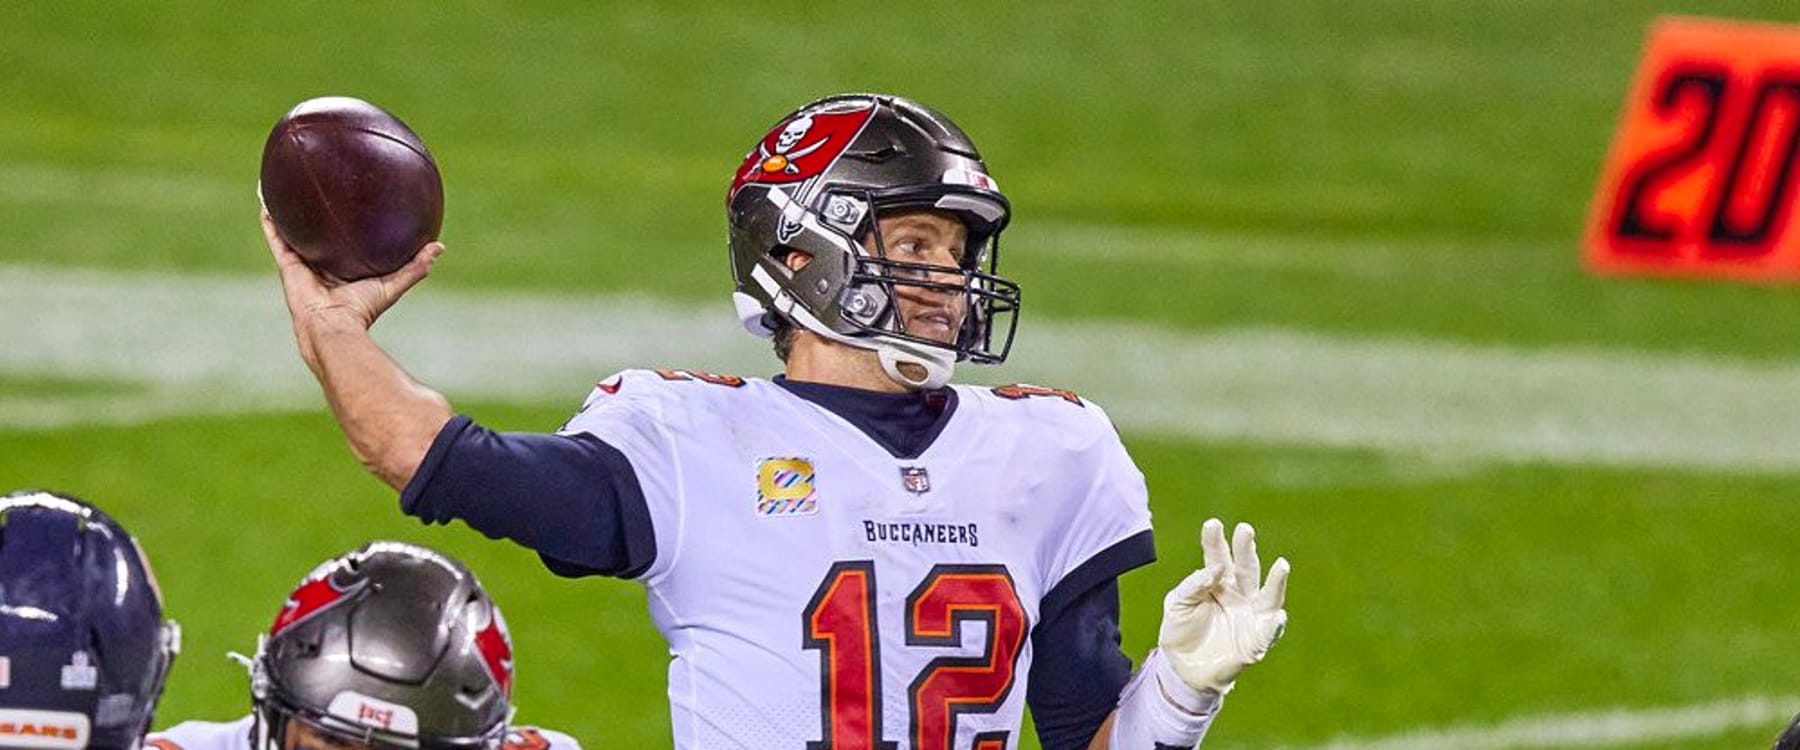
(800, 148)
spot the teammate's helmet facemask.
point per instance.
(890, 155)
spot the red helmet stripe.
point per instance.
(496, 652)
(309, 599)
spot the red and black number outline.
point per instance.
(849, 715)
(992, 740)
(949, 686)
(525, 738)
(1018, 391)
(703, 376)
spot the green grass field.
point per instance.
(1348, 172)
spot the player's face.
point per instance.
(303, 736)
(932, 238)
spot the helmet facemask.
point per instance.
(274, 712)
(877, 280)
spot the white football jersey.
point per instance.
(235, 735)
(815, 589)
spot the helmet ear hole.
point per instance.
(791, 258)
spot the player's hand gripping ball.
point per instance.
(351, 188)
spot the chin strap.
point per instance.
(936, 367)
(936, 364)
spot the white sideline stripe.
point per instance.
(1595, 729)
(221, 344)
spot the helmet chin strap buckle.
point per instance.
(934, 370)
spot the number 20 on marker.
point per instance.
(1700, 179)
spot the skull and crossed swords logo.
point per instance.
(783, 158)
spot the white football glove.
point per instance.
(1218, 620)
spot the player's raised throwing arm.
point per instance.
(388, 417)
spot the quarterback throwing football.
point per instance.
(854, 555)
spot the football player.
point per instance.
(854, 554)
(391, 645)
(84, 648)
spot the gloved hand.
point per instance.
(1219, 620)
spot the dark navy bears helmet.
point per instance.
(84, 646)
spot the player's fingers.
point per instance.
(1245, 565)
(1273, 594)
(277, 246)
(298, 282)
(1196, 588)
(373, 297)
(1270, 630)
(415, 270)
(1212, 544)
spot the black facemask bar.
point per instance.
(992, 300)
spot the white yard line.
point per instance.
(211, 344)
(1595, 729)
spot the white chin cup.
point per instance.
(937, 366)
(750, 313)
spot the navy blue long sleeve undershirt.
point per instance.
(576, 501)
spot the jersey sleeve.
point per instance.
(632, 412)
(1080, 666)
(538, 738)
(1078, 669)
(574, 497)
(1107, 532)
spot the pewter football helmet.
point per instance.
(818, 182)
(392, 645)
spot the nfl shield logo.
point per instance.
(915, 479)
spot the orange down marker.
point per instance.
(1700, 178)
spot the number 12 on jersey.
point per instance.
(840, 624)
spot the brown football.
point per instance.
(351, 188)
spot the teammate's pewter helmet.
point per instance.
(817, 183)
(84, 647)
(392, 644)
